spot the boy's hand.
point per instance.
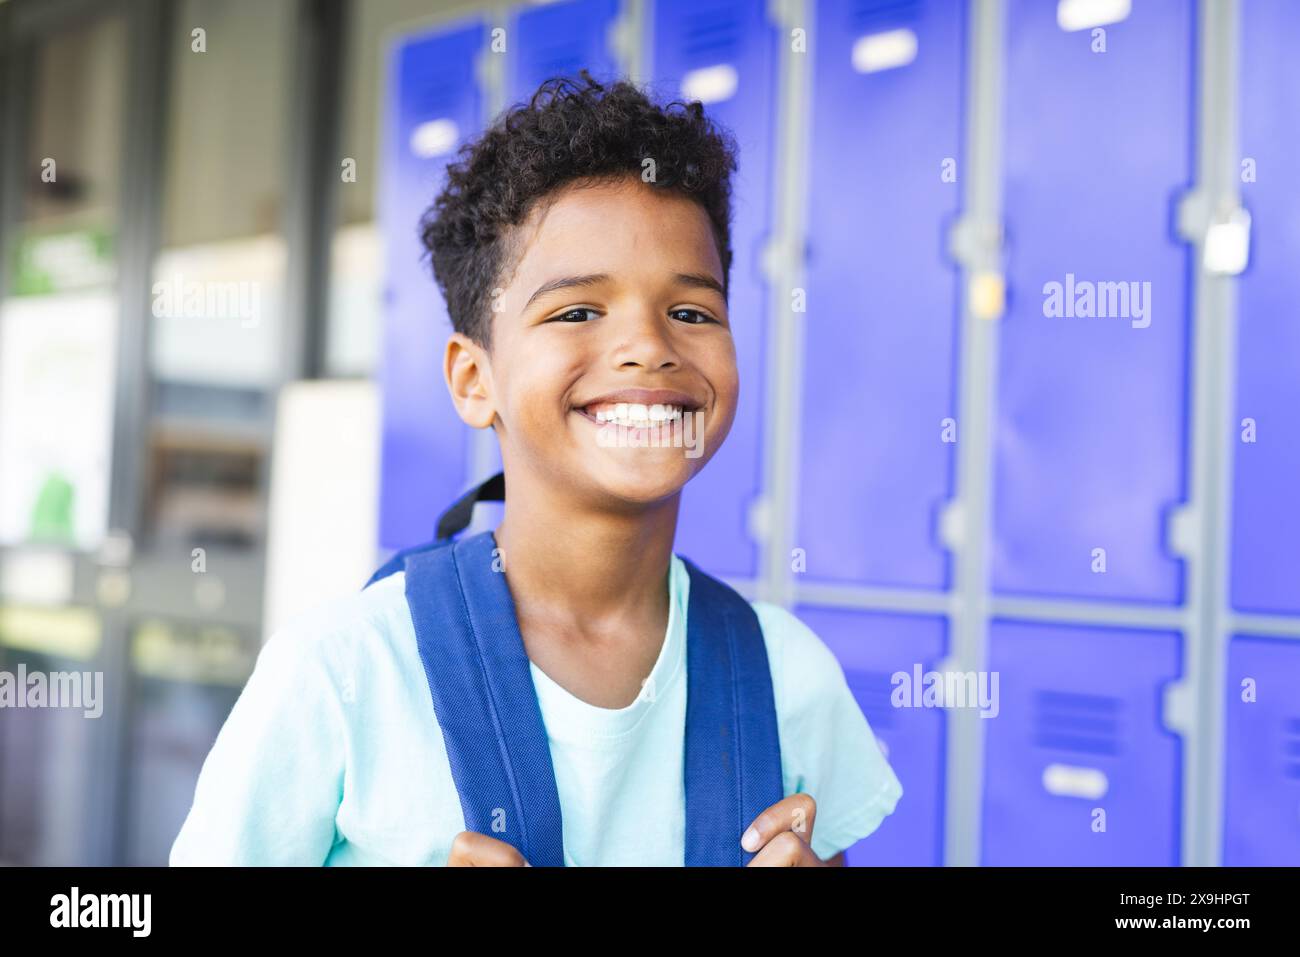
(471, 849)
(782, 835)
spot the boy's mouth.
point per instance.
(639, 408)
(633, 415)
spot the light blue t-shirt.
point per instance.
(333, 755)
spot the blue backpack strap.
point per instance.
(454, 520)
(484, 698)
(398, 562)
(457, 516)
(483, 695)
(733, 752)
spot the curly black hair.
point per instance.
(568, 132)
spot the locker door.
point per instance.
(1078, 732)
(1091, 404)
(882, 291)
(872, 648)
(1261, 812)
(559, 40)
(1266, 509)
(433, 105)
(723, 52)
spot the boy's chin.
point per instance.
(642, 479)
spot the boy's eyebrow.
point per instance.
(566, 282)
(697, 280)
(700, 280)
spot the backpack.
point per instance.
(486, 704)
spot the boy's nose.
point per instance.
(645, 340)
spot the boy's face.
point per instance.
(617, 287)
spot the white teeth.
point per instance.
(636, 415)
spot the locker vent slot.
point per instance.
(439, 90)
(1291, 748)
(875, 16)
(713, 34)
(1071, 721)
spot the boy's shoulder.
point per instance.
(784, 629)
(804, 669)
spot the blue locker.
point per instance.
(1266, 506)
(882, 292)
(433, 106)
(872, 647)
(1261, 812)
(736, 43)
(559, 40)
(1079, 729)
(1091, 404)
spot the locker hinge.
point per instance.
(976, 245)
(1177, 707)
(1222, 230)
(787, 13)
(1183, 532)
(777, 255)
(952, 525)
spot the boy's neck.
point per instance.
(558, 553)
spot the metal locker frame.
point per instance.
(1199, 531)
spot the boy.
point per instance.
(591, 333)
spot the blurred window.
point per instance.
(218, 281)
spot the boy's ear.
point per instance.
(469, 380)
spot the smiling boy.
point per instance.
(582, 245)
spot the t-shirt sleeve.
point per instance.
(828, 749)
(270, 788)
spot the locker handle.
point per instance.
(1071, 780)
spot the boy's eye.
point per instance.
(574, 315)
(693, 316)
